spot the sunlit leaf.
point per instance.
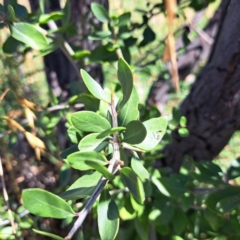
(93, 87)
(138, 167)
(129, 112)
(28, 34)
(98, 166)
(92, 142)
(77, 159)
(133, 183)
(100, 12)
(156, 128)
(126, 80)
(87, 121)
(108, 217)
(54, 16)
(83, 187)
(48, 234)
(46, 204)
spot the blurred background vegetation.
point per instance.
(44, 88)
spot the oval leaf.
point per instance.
(76, 160)
(83, 187)
(135, 132)
(87, 121)
(97, 165)
(126, 80)
(138, 168)
(46, 204)
(92, 143)
(133, 184)
(129, 112)
(156, 128)
(48, 234)
(100, 12)
(93, 87)
(108, 217)
(28, 34)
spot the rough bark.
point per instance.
(212, 108)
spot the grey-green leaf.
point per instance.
(92, 142)
(100, 168)
(28, 34)
(76, 160)
(108, 217)
(129, 112)
(100, 12)
(48, 234)
(126, 80)
(93, 87)
(46, 204)
(83, 187)
(87, 121)
(135, 132)
(133, 183)
(138, 167)
(156, 128)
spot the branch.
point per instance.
(113, 167)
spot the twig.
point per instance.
(5, 195)
(113, 167)
(65, 47)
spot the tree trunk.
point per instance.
(212, 108)
(59, 71)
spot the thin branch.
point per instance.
(65, 47)
(21, 215)
(6, 199)
(113, 167)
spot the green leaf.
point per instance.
(46, 204)
(11, 45)
(76, 160)
(83, 187)
(135, 132)
(92, 142)
(183, 132)
(229, 203)
(28, 34)
(138, 167)
(48, 234)
(126, 80)
(73, 135)
(81, 54)
(87, 121)
(110, 132)
(93, 87)
(97, 165)
(133, 183)
(68, 151)
(124, 19)
(100, 12)
(44, 18)
(179, 221)
(214, 199)
(156, 128)
(108, 217)
(11, 14)
(99, 35)
(183, 121)
(129, 112)
(213, 219)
